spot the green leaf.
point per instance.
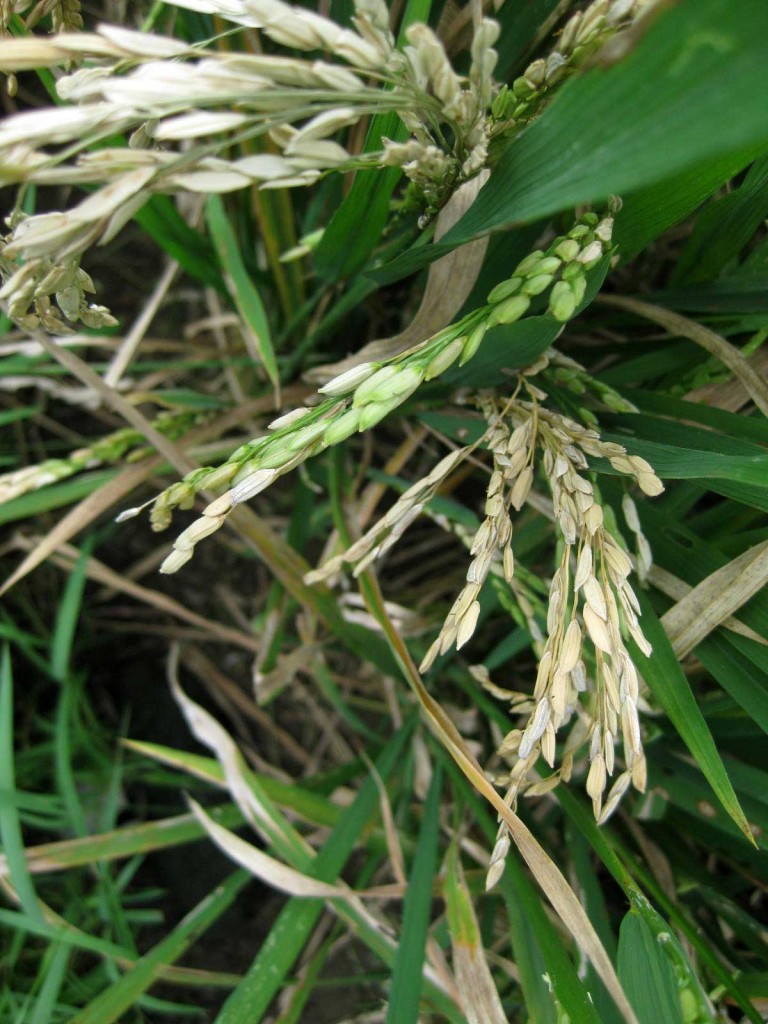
(163, 222)
(53, 970)
(754, 428)
(513, 346)
(688, 463)
(669, 686)
(54, 496)
(648, 212)
(734, 296)
(113, 1002)
(10, 825)
(348, 240)
(646, 974)
(725, 227)
(736, 675)
(244, 293)
(520, 25)
(592, 895)
(405, 990)
(664, 108)
(68, 614)
(536, 941)
(289, 934)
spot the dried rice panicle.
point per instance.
(591, 608)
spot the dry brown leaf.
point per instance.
(81, 516)
(477, 989)
(545, 871)
(267, 869)
(670, 585)
(715, 599)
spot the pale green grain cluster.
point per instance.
(122, 445)
(361, 397)
(582, 36)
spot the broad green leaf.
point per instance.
(753, 428)
(686, 790)
(734, 296)
(737, 676)
(697, 63)
(646, 973)
(670, 687)
(683, 463)
(617, 860)
(244, 292)
(348, 241)
(690, 995)
(520, 26)
(405, 988)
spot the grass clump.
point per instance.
(446, 328)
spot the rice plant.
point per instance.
(428, 340)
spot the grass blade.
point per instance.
(406, 977)
(112, 1003)
(244, 293)
(10, 825)
(667, 681)
(252, 997)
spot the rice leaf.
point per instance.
(725, 227)
(737, 676)
(163, 222)
(244, 292)
(113, 1002)
(646, 974)
(567, 991)
(10, 824)
(648, 212)
(405, 987)
(474, 980)
(348, 240)
(54, 968)
(669, 686)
